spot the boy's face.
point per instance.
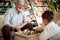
(45, 21)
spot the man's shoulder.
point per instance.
(10, 9)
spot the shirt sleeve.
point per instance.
(7, 17)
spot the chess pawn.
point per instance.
(32, 32)
(35, 31)
(27, 32)
(24, 32)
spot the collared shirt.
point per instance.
(50, 31)
(12, 17)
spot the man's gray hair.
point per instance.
(17, 1)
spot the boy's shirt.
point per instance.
(50, 30)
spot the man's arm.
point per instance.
(25, 20)
(7, 18)
(23, 24)
(20, 26)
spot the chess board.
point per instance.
(27, 33)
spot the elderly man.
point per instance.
(15, 19)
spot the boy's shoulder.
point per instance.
(53, 26)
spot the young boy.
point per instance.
(51, 30)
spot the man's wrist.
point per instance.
(20, 26)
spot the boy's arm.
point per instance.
(47, 33)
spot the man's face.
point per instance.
(20, 5)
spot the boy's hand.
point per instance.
(41, 29)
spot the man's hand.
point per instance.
(17, 28)
(20, 26)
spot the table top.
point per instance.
(26, 36)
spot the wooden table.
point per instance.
(19, 36)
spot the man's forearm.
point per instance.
(10, 25)
(23, 24)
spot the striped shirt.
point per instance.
(12, 17)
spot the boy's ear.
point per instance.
(46, 20)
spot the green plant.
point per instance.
(52, 5)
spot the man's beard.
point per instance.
(19, 9)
